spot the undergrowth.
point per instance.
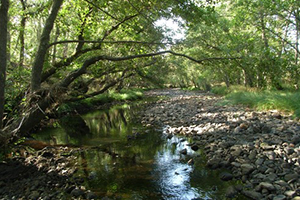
(285, 101)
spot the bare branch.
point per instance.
(113, 17)
(283, 39)
(115, 27)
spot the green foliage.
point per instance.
(220, 90)
(127, 95)
(267, 100)
(223, 90)
(123, 95)
(260, 34)
(19, 141)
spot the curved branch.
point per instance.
(75, 74)
(79, 50)
(109, 42)
(165, 52)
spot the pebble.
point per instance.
(261, 148)
(225, 176)
(247, 169)
(280, 197)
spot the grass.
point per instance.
(223, 90)
(285, 101)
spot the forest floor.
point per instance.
(260, 148)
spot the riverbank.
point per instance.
(260, 148)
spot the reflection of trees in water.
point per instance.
(121, 165)
(108, 123)
(74, 125)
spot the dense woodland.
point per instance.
(58, 51)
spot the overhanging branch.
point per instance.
(76, 73)
(109, 42)
(161, 53)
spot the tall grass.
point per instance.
(223, 90)
(267, 100)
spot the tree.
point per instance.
(99, 45)
(4, 4)
(38, 63)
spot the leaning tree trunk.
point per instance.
(38, 63)
(3, 53)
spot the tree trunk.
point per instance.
(22, 32)
(3, 53)
(263, 29)
(54, 47)
(297, 16)
(38, 63)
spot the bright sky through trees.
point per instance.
(172, 28)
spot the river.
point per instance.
(121, 159)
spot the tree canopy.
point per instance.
(67, 50)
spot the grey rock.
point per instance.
(296, 139)
(271, 155)
(226, 144)
(259, 161)
(281, 183)
(252, 194)
(267, 147)
(91, 195)
(105, 198)
(260, 176)
(252, 155)
(280, 197)
(289, 177)
(266, 129)
(77, 192)
(247, 169)
(289, 151)
(34, 195)
(236, 152)
(225, 176)
(236, 164)
(231, 192)
(265, 185)
(237, 130)
(213, 163)
(271, 177)
(290, 193)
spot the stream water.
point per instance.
(123, 160)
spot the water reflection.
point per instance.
(121, 159)
(172, 171)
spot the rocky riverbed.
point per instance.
(42, 174)
(262, 149)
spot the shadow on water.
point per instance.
(123, 160)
